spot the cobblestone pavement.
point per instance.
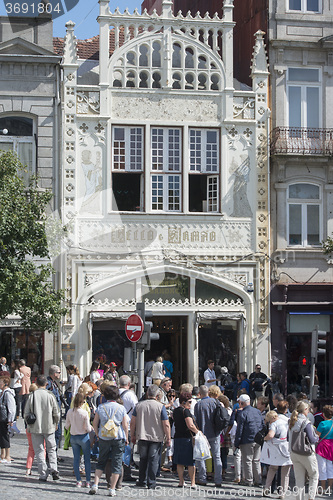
(15, 486)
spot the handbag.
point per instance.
(324, 447)
(3, 409)
(260, 436)
(201, 449)
(127, 455)
(31, 417)
(300, 443)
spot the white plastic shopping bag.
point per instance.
(201, 448)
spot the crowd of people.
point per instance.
(267, 437)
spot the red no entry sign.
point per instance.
(134, 328)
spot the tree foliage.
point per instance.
(26, 287)
(328, 245)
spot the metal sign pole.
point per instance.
(141, 382)
(135, 358)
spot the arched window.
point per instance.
(304, 215)
(19, 138)
(195, 64)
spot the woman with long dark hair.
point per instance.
(16, 384)
(8, 400)
(94, 374)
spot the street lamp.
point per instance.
(4, 131)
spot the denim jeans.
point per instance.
(57, 434)
(78, 442)
(150, 453)
(216, 455)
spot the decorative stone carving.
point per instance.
(222, 237)
(244, 108)
(106, 303)
(141, 108)
(87, 102)
(241, 172)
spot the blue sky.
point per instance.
(84, 15)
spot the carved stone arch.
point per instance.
(112, 281)
(205, 61)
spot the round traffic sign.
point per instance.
(134, 328)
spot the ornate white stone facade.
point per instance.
(163, 122)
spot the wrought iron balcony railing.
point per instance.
(302, 141)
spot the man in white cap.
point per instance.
(249, 423)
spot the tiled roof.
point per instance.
(89, 49)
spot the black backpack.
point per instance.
(220, 418)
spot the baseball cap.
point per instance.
(244, 398)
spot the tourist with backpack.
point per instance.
(111, 427)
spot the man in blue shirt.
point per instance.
(203, 412)
(249, 423)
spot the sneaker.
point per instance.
(93, 489)
(88, 485)
(140, 484)
(55, 475)
(112, 493)
(79, 484)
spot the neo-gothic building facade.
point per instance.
(165, 191)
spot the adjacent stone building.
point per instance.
(30, 112)
(299, 34)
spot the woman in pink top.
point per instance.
(26, 382)
(77, 420)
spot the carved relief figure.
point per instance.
(93, 180)
(241, 173)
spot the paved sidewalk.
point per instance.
(15, 486)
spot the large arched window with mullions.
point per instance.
(17, 134)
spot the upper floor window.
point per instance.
(305, 5)
(19, 139)
(127, 168)
(204, 160)
(166, 158)
(156, 179)
(304, 216)
(304, 97)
